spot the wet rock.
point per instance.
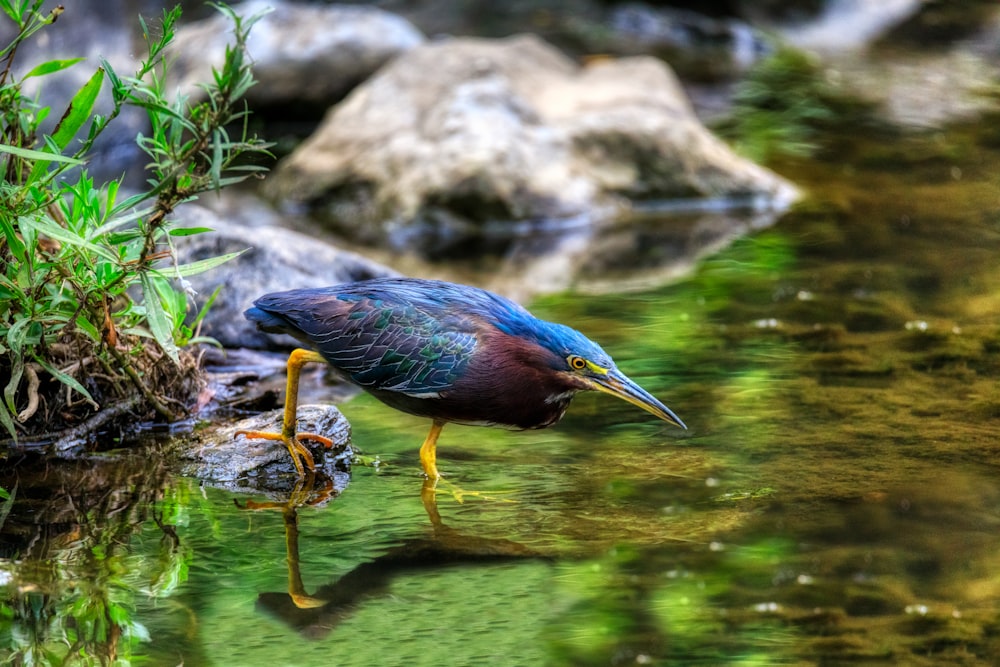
(309, 54)
(217, 456)
(466, 135)
(943, 23)
(275, 259)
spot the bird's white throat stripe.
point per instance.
(559, 398)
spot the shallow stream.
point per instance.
(836, 499)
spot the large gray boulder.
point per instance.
(460, 135)
(301, 53)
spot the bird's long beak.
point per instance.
(617, 384)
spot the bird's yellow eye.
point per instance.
(577, 363)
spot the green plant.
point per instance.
(779, 108)
(74, 253)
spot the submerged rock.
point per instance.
(466, 135)
(222, 459)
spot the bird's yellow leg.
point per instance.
(296, 589)
(428, 452)
(296, 360)
(289, 512)
(428, 496)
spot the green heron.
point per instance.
(448, 352)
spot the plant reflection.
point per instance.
(68, 578)
(318, 613)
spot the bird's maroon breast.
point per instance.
(508, 382)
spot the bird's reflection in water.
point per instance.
(317, 613)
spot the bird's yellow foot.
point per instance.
(301, 456)
(441, 485)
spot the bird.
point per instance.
(448, 352)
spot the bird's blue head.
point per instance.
(587, 366)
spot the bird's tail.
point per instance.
(266, 321)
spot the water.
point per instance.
(835, 500)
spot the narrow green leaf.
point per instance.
(231, 180)
(10, 10)
(137, 331)
(29, 154)
(208, 304)
(10, 391)
(158, 108)
(190, 231)
(14, 242)
(19, 335)
(118, 238)
(88, 328)
(205, 340)
(110, 195)
(202, 265)
(253, 168)
(215, 169)
(118, 89)
(8, 422)
(116, 222)
(42, 114)
(76, 114)
(7, 497)
(156, 317)
(54, 231)
(174, 302)
(52, 66)
(107, 273)
(79, 110)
